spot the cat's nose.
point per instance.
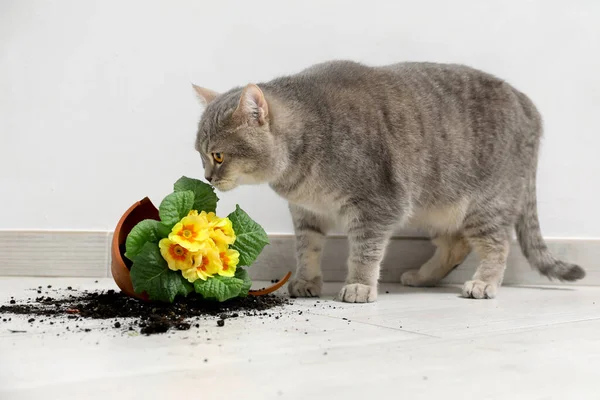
(209, 178)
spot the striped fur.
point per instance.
(446, 148)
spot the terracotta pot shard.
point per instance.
(141, 210)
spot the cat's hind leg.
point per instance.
(451, 251)
(490, 241)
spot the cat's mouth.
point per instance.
(224, 185)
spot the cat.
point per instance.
(444, 147)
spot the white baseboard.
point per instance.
(54, 253)
(408, 253)
(87, 254)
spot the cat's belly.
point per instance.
(440, 219)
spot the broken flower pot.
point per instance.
(120, 265)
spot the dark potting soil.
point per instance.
(147, 318)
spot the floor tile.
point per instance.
(529, 343)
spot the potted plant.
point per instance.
(183, 248)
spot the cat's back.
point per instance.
(406, 80)
(414, 70)
(448, 79)
(348, 72)
(324, 77)
(335, 70)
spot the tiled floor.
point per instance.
(529, 343)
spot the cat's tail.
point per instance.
(532, 243)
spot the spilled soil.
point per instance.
(134, 315)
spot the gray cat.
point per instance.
(446, 148)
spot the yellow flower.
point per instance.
(221, 230)
(198, 245)
(206, 264)
(191, 232)
(176, 256)
(229, 261)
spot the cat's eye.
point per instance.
(218, 157)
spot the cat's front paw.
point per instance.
(358, 293)
(477, 289)
(305, 288)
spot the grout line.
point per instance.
(509, 331)
(352, 321)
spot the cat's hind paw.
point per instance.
(412, 278)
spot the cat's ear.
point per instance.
(205, 96)
(253, 104)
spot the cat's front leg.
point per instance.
(310, 230)
(368, 240)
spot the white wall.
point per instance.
(96, 109)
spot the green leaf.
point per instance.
(163, 230)
(147, 230)
(242, 274)
(251, 238)
(205, 198)
(219, 288)
(175, 206)
(151, 274)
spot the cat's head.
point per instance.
(234, 138)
